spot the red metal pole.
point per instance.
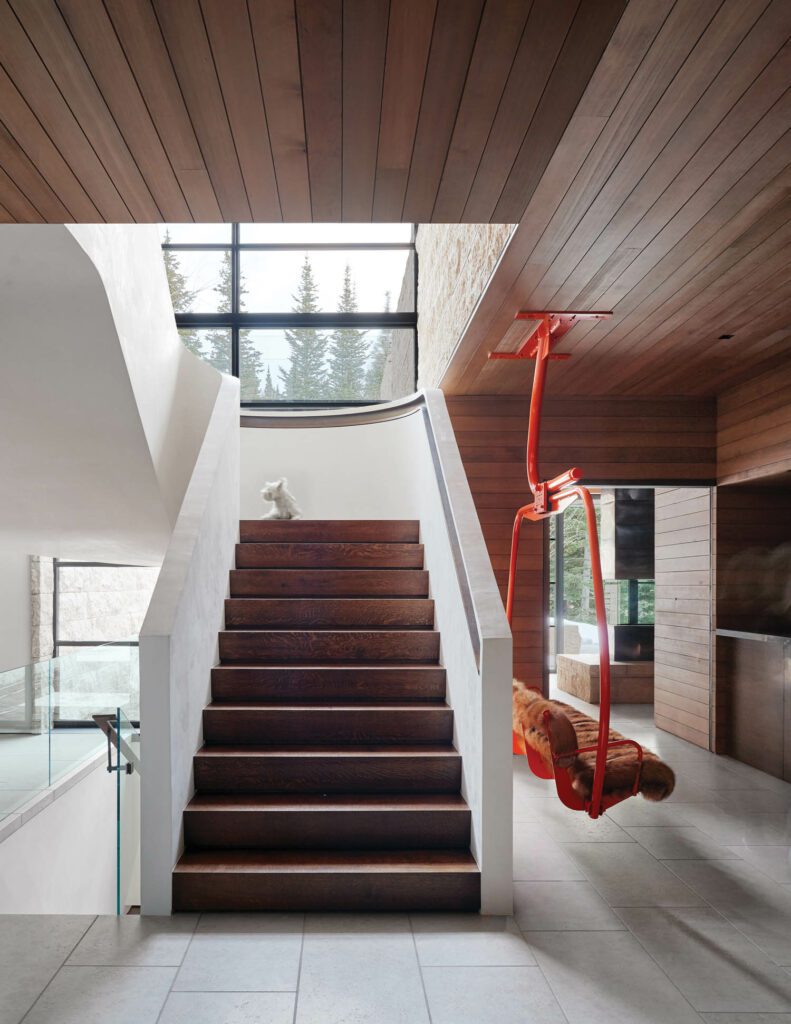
(536, 401)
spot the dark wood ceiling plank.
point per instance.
(25, 175)
(55, 44)
(228, 27)
(183, 30)
(498, 40)
(16, 202)
(761, 241)
(717, 119)
(698, 224)
(94, 34)
(364, 47)
(275, 35)
(771, 358)
(5, 216)
(25, 68)
(583, 47)
(631, 41)
(319, 31)
(138, 31)
(24, 126)
(408, 42)
(748, 203)
(616, 156)
(542, 39)
(681, 204)
(693, 334)
(455, 31)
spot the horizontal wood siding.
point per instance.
(612, 440)
(754, 428)
(682, 644)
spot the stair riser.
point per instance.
(326, 727)
(309, 685)
(412, 891)
(325, 830)
(328, 613)
(329, 583)
(316, 774)
(405, 531)
(306, 647)
(329, 556)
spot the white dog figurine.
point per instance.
(285, 505)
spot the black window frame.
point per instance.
(236, 320)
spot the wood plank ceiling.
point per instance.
(667, 201)
(296, 110)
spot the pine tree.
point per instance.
(271, 393)
(305, 379)
(348, 350)
(380, 350)
(251, 363)
(181, 297)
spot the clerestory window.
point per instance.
(303, 314)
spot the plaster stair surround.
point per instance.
(328, 779)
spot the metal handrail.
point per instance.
(107, 723)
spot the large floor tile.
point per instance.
(135, 941)
(32, 949)
(562, 906)
(469, 940)
(359, 971)
(628, 876)
(566, 826)
(243, 953)
(709, 960)
(753, 801)
(490, 995)
(96, 995)
(606, 979)
(637, 811)
(539, 858)
(733, 828)
(229, 1008)
(746, 1018)
(679, 842)
(757, 906)
(774, 861)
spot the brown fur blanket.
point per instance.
(571, 729)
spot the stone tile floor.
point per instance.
(659, 914)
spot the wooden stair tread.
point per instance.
(306, 582)
(374, 750)
(322, 530)
(328, 554)
(328, 612)
(334, 666)
(331, 803)
(356, 707)
(327, 861)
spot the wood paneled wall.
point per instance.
(682, 637)
(613, 440)
(754, 427)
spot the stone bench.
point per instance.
(631, 682)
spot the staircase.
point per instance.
(328, 779)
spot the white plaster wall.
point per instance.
(179, 645)
(63, 861)
(335, 473)
(15, 611)
(385, 471)
(174, 390)
(455, 263)
(102, 409)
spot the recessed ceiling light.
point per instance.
(725, 337)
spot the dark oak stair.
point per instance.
(328, 779)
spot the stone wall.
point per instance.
(455, 263)
(398, 376)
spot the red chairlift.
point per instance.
(550, 498)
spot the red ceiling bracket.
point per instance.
(549, 326)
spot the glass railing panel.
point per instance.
(46, 715)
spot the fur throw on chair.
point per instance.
(570, 729)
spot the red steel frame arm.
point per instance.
(550, 498)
